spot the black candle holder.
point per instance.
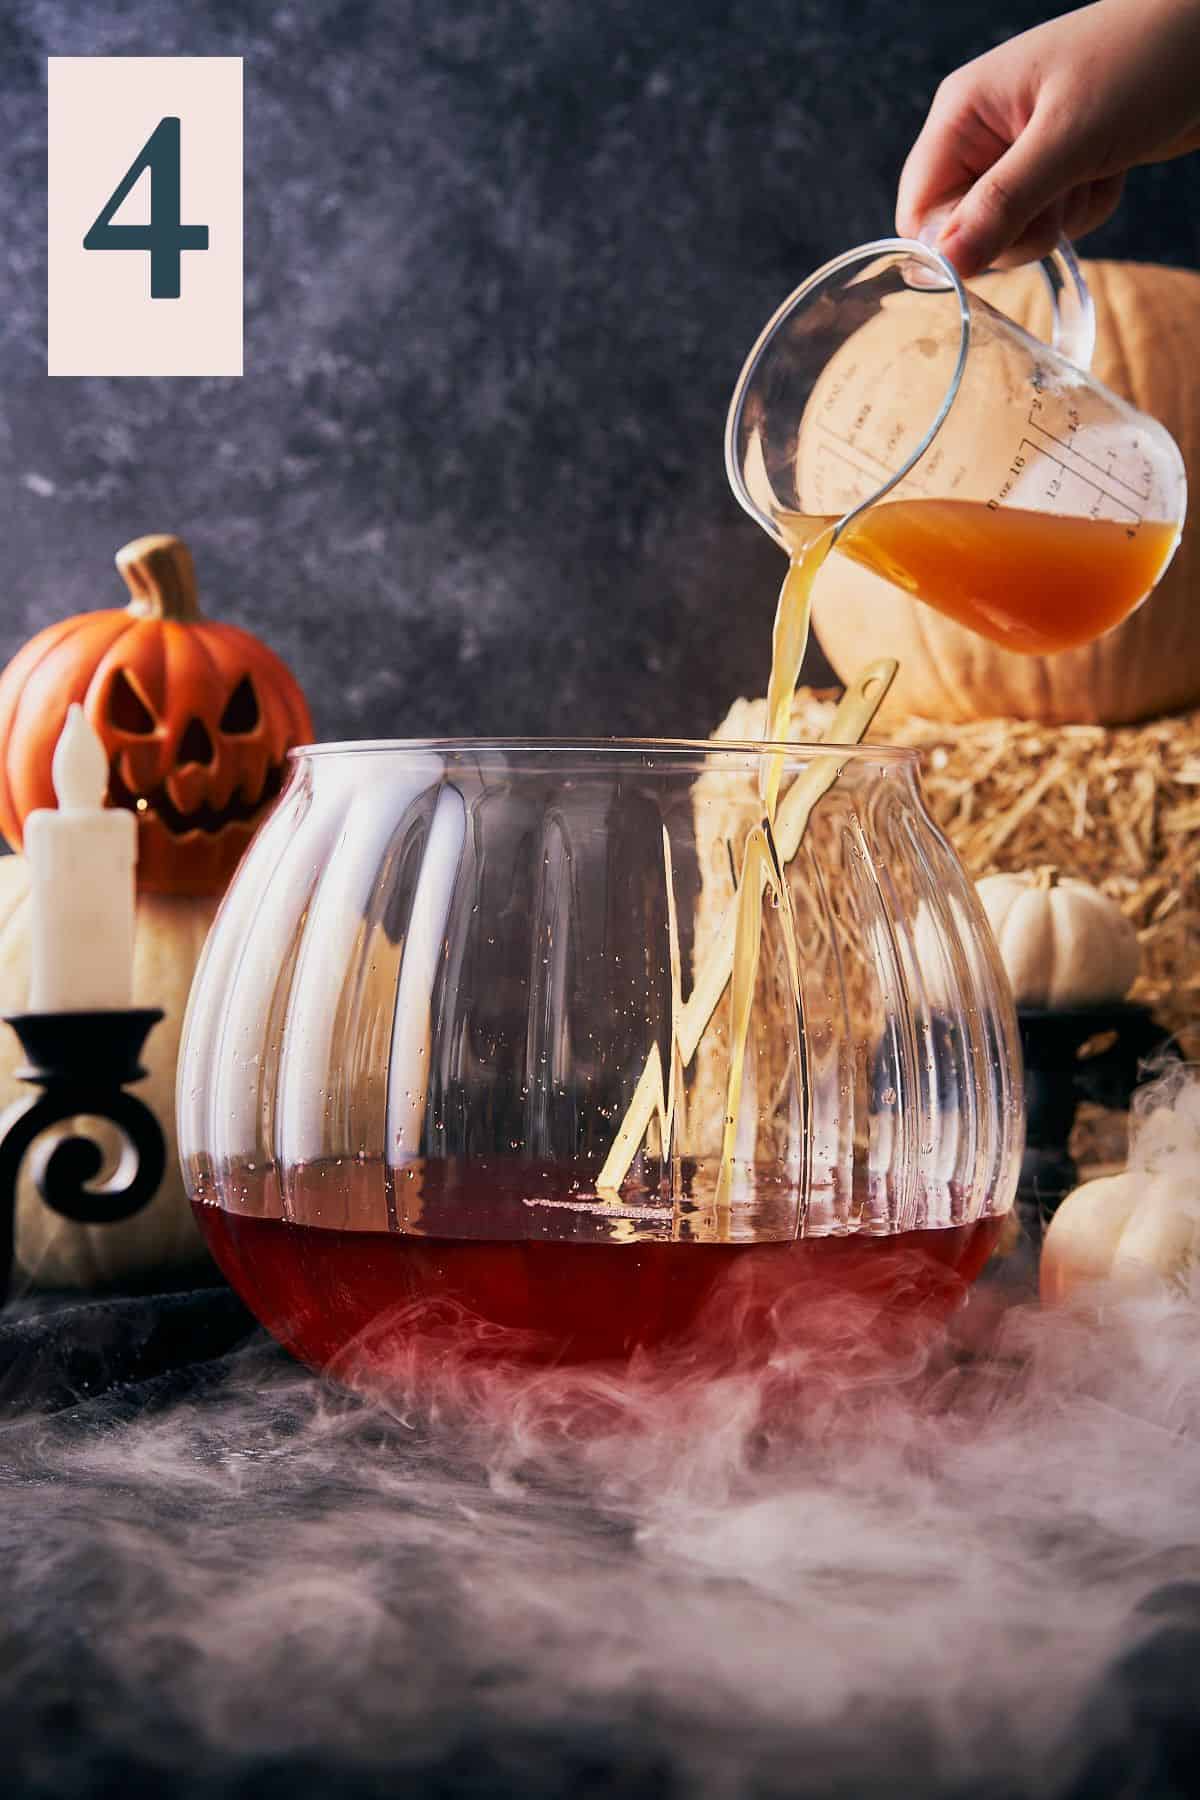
(1057, 1079)
(82, 1062)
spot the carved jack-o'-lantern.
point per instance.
(196, 717)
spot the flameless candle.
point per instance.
(81, 863)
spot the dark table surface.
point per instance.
(976, 1576)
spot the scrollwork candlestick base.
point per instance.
(82, 1062)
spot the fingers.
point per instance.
(1016, 207)
(1031, 138)
(984, 198)
(1090, 204)
(997, 168)
(1073, 216)
(954, 147)
(1037, 240)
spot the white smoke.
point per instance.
(938, 1572)
(1164, 1126)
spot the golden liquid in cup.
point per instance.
(1030, 581)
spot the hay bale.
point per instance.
(1116, 806)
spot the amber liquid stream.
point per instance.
(1034, 582)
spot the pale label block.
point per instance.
(144, 183)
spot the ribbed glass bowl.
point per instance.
(446, 970)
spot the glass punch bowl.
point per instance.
(464, 1065)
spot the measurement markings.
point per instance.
(851, 445)
(1067, 468)
(1067, 444)
(878, 475)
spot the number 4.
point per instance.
(164, 237)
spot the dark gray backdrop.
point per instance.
(504, 258)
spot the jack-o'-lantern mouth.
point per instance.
(156, 803)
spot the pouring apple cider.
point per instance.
(888, 416)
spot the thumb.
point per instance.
(1029, 179)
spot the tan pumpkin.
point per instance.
(52, 1251)
(1148, 325)
(1062, 942)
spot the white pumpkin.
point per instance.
(52, 1251)
(1119, 1227)
(1062, 942)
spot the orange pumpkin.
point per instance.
(196, 717)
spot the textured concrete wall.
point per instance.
(504, 258)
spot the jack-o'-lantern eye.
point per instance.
(241, 710)
(127, 711)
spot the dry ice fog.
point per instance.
(802, 1580)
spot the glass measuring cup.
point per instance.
(981, 470)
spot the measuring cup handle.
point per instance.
(1073, 333)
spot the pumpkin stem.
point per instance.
(159, 574)
(1046, 877)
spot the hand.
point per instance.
(1033, 140)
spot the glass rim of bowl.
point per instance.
(611, 746)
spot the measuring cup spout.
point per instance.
(772, 412)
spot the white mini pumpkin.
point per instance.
(1119, 1227)
(52, 1251)
(1062, 941)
